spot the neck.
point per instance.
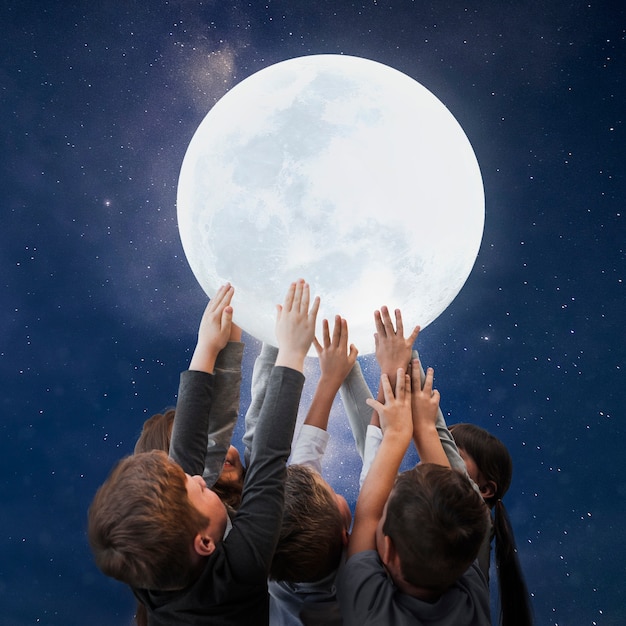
(421, 593)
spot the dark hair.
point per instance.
(437, 522)
(230, 493)
(141, 523)
(490, 455)
(311, 534)
(494, 462)
(156, 433)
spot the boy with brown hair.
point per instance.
(162, 531)
(316, 520)
(411, 556)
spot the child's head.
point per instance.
(314, 528)
(156, 433)
(150, 524)
(432, 528)
(487, 459)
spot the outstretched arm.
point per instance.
(225, 406)
(189, 433)
(393, 351)
(446, 438)
(336, 360)
(425, 406)
(252, 540)
(214, 331)
(263, 366)
(395, 416)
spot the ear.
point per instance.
(389, 551)
(488, 489)
(345, 537)
(203, 545)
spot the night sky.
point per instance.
(99, 101)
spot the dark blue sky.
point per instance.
(99, 101)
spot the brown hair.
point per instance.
(311, 534)
(156, 432)
(141, 524)
(437, 522)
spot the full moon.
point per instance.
(338, 170)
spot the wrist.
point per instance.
(204, 358)
(397, 435)
(330, 381)
(292, 359)
(424, 431)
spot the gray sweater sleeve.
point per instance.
(354, 392)
(263, 366)
(256, 528)
(191, 423)
(224, 409)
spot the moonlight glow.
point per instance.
(338, 170)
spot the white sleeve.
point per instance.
(309, 447)
(373, 439)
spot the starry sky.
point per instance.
(99, 101)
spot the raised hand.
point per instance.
(424, 399)
(335, 358)
(424, 409)
(393, 349)
(215, 329)
(395, 413)
(295, 325)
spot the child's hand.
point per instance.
(215, 330)
(295, 325)
(335, 359)
(393, 350)
(235, 332)
(395, 414)
(424, 400)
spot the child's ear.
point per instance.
(389, 551)
(203, 545)
(345, 537)
(488, 489)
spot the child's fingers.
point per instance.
(289, 297)
(399, 326)
(301, 297)
(337, 329)
(401, 384)
(222, 297)
(374, 404)
(387, 323)
(416, 375)
(325, 333)
(318, 346)
(378, 322)
(386, 385)
(428, 381)
(343, 334)
(227, 316)
(407, 385)
(314, 307)
(413, 336)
